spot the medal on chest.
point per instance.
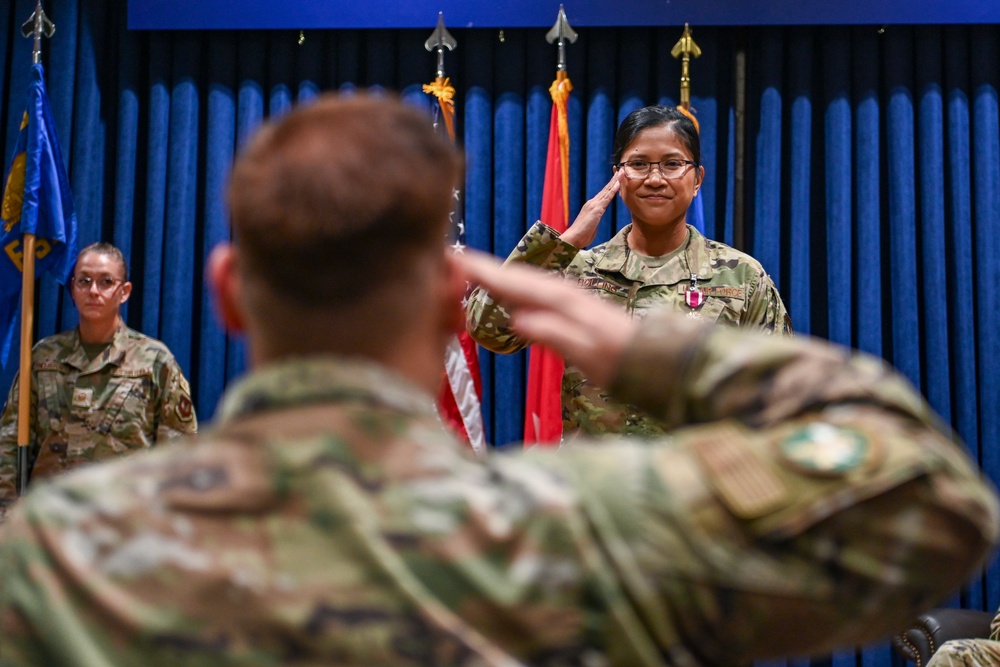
(694, 297)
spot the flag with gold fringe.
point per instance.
(36, 200)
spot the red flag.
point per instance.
(461, 393)
(543, 409)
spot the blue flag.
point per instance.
(36, 200)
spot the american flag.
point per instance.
(460, 397)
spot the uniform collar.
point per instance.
(76, 356)
(322, 379)
(694, 258)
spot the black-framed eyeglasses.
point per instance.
(105, 284)
(640, 169)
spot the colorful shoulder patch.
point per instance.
(185, 411)
(826, 450)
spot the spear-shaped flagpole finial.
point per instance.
(561, 32)
(37, 26)
(439, 40)
(441, 87)
(685, 49)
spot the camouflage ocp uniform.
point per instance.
(130, 397)
(329, 520)
(970, 652)
(734, 290)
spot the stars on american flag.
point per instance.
(458, 228)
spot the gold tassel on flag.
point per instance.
(560, 90)
(442, 89)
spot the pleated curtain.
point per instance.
(859, 164)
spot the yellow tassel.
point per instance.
(442, 89)
(686, 112)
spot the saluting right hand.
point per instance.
(591, 333)
(583, 230)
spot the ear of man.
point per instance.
(225, 285)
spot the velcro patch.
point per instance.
(185, 411)
(82, 398)
(726, 291)
(826, 450)
(133, 372)
(747, 485)
(601, 284)
(47, 366)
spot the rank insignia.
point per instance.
(826, 450)
(82, 398)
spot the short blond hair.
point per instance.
(102, 248)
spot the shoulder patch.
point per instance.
(826, 450)
(185, 411)
(745, 482)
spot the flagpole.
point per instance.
(685, 49)
(441, 88)
(24, 371)
(36, 26)
(560, 33)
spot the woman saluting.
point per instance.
(656, 261)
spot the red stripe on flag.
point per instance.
(460, 397)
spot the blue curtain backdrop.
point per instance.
(871, 175)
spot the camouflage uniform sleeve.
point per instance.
(21, 645)
(486, 320)
(696, 373)
(766, 310)
(8, 447)
(804, 496)
(966, 653)
(175, 415)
